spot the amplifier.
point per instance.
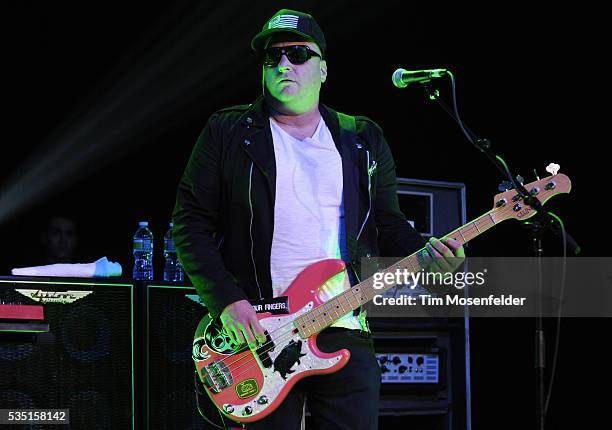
(398, 368)
(83, 362)
(414, 364)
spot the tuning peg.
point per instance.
(520, 179)
(535, 172)
(505, 186)
(553, 168)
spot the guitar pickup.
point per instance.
(218, 376)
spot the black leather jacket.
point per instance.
(224, 213)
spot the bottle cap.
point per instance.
(143, 223)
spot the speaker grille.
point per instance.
(172, 321)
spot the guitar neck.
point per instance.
(360, 294)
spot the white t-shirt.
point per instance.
(308, 211)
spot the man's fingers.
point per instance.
(455, 246)
(228, 332)
(424, 257)
(258, 331)
(451, 243)
(431, 258)
(457, 251)
(248, 335)
(440, 247)
(433, 253)
(439, 262)
(448, 253)
(236, 336)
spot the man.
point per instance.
(60, 240)
(280, 184)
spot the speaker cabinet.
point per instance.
(84, 362)
(173, 313)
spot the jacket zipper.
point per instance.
(371, 170)
(251, 229)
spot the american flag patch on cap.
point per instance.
(283, 21)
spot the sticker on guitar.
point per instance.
(219, 341)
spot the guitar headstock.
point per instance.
(510, 205)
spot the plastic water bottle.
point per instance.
(173, 271)
(143, 253)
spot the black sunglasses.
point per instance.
(296, 54)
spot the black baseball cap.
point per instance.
(290, 21)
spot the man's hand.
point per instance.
(240, 322)
(444, 255)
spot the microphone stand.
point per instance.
(484, 146)
(537, 228)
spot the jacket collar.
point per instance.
(256, 115)
(256, 140)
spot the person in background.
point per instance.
(60, 240)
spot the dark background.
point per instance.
(126, 89)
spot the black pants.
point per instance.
(347, 399)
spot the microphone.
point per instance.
(402, 78)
